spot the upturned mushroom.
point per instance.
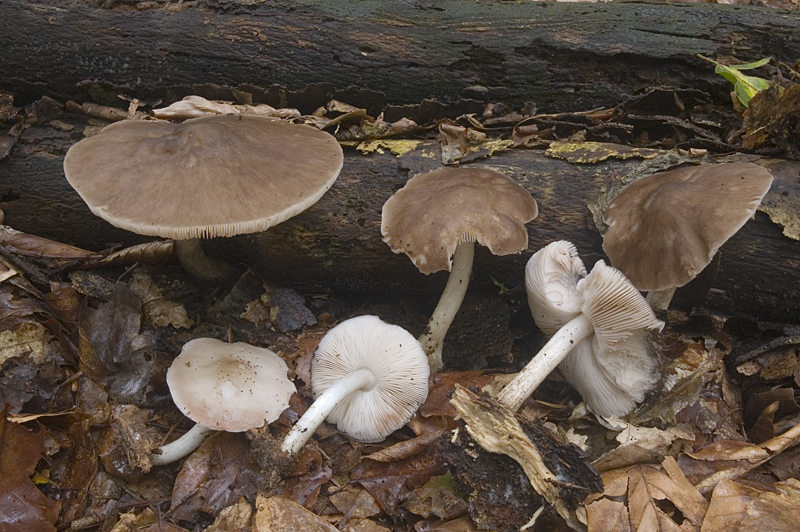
(203, 178)
(368, 378)
(599, 325)
(665, 228)
(436, 220)
(221, 386)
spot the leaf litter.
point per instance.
(85, 355)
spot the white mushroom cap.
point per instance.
(231, 387)
(551, 280)
(213, 176)
(599, 325)
(437, 210)
(400, 367)
(666, 227)
(616, 366)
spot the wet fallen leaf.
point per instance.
(407, 448)
(734, 506)
(36, 246)
(354, 503)
(279, 308)
(27, 339)
(215, 476)
(643, 497)
(276, 514)
(23, 508)
(386, 481)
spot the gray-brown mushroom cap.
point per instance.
(666, 227)
(437, 210)
(206, 177)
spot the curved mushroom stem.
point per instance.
(363, 379)
(540, 366)
(196, 262)
(451, 299)
(184, 445)
(660, 299)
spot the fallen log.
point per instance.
(382, 55)
(336, 246)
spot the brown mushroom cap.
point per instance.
(437, 210)
(206, 177)
(232, 387)
(666, 227)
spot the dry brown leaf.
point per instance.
(736, 507)
(651, 498)
(233, 518)
(642, 445)
(276, 514)
(407, 448)
(197, 106)
(157, 252)
(736, 460)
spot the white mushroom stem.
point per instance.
(196, 262)
(362, 379)
(540, 366)
(174, 451)
(660, 299)
(449, 303)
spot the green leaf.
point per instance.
(745, 87)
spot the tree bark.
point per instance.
(381, 54)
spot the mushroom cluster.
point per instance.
(599, 325)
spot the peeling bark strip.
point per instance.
(370, 53)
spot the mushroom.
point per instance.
(436, 220)
(203, 178)
(665, 228)
(599, 325)
(368, 378)
(221, 386)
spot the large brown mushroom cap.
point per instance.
(206, 177)
(437, 210)
(666, 227)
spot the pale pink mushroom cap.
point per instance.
(230, 387)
